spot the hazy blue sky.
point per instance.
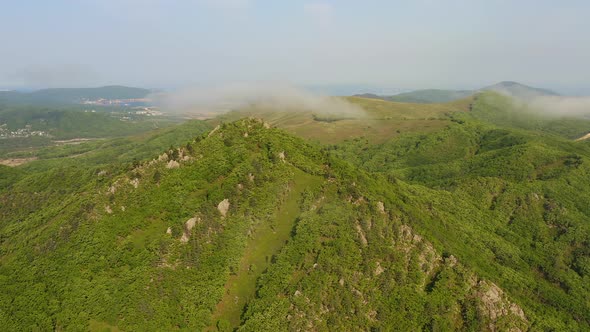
(396, 44)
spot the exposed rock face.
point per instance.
(282, 156)
(134, 183)
(492, 309)
(494, 305)
(169, 231)
(184, 238)
(379, 269)
(190, 223)
(381, 207)
(112, 189)
(172, 164)
(223, 207)
(361, 233)
(188, 226)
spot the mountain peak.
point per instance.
(518, 90)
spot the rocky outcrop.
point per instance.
(223, 207)
(188, 226)
(172, 164)
(134, 183)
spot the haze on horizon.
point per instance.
(456, 44)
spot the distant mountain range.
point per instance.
(427, 96)
(77, 95)
(73, 95)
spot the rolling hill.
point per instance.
(509, 88)
(376, 120)
(71, 95)
(430, 96)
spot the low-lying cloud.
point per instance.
(272, 97)
(549, 105)
(561, 106)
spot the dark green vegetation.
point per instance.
(478, 223)
(443, 96)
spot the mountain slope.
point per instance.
(157, 246)
(525, 187)
(481, 224)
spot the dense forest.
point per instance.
(476, 221)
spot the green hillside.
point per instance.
(477, 223)
(428, 96)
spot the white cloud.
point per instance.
(265, 96)
(321, 12)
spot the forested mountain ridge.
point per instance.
(473, 226)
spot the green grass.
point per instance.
(378, 121)
(266, 241)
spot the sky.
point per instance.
(344, 44)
